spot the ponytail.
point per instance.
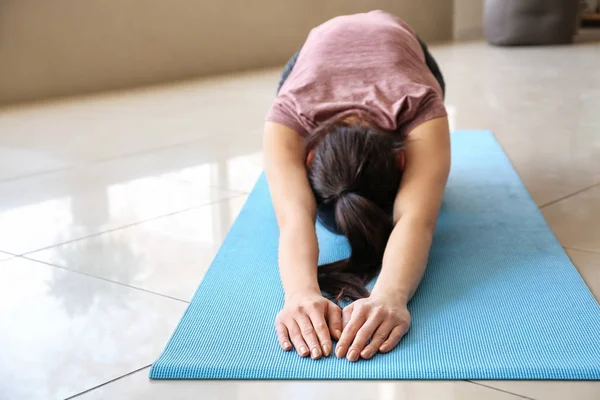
(367, 228)
(353, 172)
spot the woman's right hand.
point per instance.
(308, 321)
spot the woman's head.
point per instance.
(354, 172)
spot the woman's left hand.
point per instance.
(381, 318)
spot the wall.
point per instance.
(468, 19)
(60, 47)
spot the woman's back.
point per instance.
(369, 62)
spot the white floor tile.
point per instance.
(63, 333)
(232, 161)
(24, 162)
(72, 132)
(550, 390)
(576, 220)
(167, 255)
(46, 210)
(540, 102)
(588, 265)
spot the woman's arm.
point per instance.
(416, 209)
(295, 208)
(383, 317)
(308, 320)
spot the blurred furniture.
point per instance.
(530, 22)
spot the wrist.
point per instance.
(396, 294)
(301, 291)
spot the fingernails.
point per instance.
(339, 352)
(303, 351)
(326, 350)
(365, 353)
(286, 345)
(383, 348)
(338, 334)
(315, 353)
(353, 355)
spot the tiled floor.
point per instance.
(114, 206)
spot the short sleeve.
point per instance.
(282, 113)
(431, 107)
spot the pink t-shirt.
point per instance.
(369, 62)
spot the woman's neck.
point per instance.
(355, 119)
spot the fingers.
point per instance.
(379, 337)
(356, 319)
(364, 334)
(392, 341)
(318, 322)
(309, 335)
(334, 320)
(346, 315)
(297, 339)
(283, 336)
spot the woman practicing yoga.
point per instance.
(358, 137)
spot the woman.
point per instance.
(358, 137)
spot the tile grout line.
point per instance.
(39, 173)
(568, 196)
(239, 192)
(107, 382)
(513, 165)
(147, 151)
(584, 251)
(500, 390)
(152, 150)
(147, 366)
(104, 279)
(233, 196)
(102, 160)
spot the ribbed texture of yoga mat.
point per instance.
(500, 298)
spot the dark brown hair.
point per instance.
(354, 174)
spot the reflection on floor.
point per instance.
(113, 206)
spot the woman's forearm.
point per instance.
(405, 258)
(298, 256)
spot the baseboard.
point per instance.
(471, 33)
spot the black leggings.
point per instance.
(429, 60)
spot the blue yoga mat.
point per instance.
(500, 298)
